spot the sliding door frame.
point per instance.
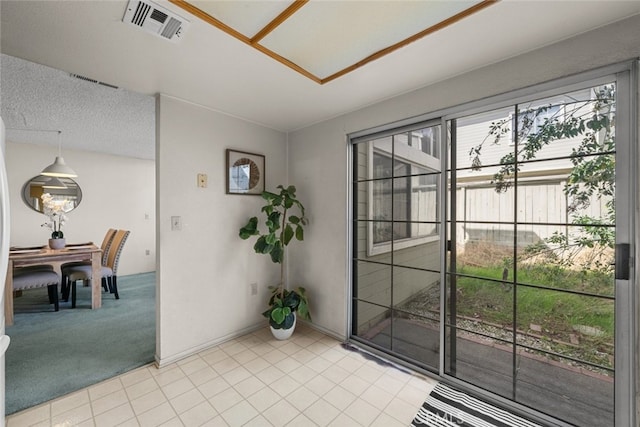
(627, 305)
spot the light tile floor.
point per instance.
(253, 380)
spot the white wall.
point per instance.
(117, 192)
(318, 154)
(205, 270)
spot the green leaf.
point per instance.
(299, 233)
(262, 246)
(278, 314)
(273, 221)
(291, 300)
(271, 238)
(288, 321)
(251, 229)
(288, 202)
(268, 196)
(276, 253)
(303, 303)
(288, 234)
(303, 310)
(294, 219)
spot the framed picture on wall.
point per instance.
(245, 173)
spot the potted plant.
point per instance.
(56, 214)
(282, 227)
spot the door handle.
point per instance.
(623, 251)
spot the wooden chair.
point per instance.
(108, 272)
(106, 244)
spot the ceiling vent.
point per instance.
(155, 19)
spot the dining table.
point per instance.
(24, 256)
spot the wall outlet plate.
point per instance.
(202, 180)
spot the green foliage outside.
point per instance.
(592, 175)
(575, 325)
(586, 321)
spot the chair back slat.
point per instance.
(116, 249)
(106, 244)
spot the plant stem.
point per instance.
(284, 220)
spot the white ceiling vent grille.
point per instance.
(155, 19)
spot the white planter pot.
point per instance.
(284, 334)
(57, 243)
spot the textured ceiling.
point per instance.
(36, 100)
(210, 68)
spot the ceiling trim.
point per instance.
(227, 29)
(439, 26)
(211, 20)
(297, 5)
(293, 8)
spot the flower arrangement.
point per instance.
(55, 211)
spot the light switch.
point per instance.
(202, 180)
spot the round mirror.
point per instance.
(64, 192)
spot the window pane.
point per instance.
(471, 359)
(417, 338)
(361, 166)
(382, 209)
(564, 126)
(577, 326)
(565, 397)
(558, 260)
(396, 203)
(361, 207)
(425, 256)
(373, 283)
(370, 319)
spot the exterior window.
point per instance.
(389, 197)
(430, 141)
(404, 189)
(532, 120)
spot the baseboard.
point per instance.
(325, 331)
(162, 362)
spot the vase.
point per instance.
(284, 334)
(57, 243)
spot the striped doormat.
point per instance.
(447, 407)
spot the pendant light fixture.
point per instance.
(59, 168)
(54, 183)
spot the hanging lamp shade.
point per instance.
(54, 183)
(59, 169)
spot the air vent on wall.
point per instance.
(155, 19)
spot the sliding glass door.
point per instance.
(492, 247)
(531, 289)
(397, 237)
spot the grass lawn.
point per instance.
(585, 323)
